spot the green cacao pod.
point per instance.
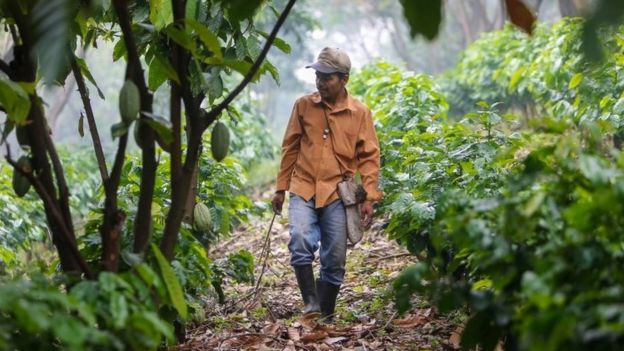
(21, 184)
(129, 102)
(137, 135)
(22, 135)
(201, 217)
(219, 141)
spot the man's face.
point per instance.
(329, 85)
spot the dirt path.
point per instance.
(270, 319)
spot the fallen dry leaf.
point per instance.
(314, 336)
(410, 321)
(290, 346)
(246, 341)
(427, 312)
(308, 323)
(293, 334)
(272, 329)
(455, 338)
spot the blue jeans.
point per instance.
(309, 225)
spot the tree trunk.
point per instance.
(571, 8)
(462, 18)
(56, 201)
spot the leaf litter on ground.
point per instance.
(269, 319)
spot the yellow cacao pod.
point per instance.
(201, 217)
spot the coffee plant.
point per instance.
(514, 219)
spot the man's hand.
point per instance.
(366, 214)
(278, 201)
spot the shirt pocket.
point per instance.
(345, 144)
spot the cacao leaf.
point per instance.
(277, 42)
(241, 9)
(14, 99)
(161, 13)
(81, 125)
(575, 81)
(171, 281)
(161, 126)
(119, 129)
(423, 16)
(51, 25)
(85, 72)
(207, 37)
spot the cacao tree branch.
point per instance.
(61, 182)
(179, 62)
(179, 179)
(198, 125)
(95, 136)
(214, 112)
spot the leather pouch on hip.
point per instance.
(352, 195)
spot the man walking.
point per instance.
(329, 134)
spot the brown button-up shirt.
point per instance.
(309, 166)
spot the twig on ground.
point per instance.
(402, 254)
(264, 255)
(389, 320)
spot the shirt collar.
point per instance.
(347, 105)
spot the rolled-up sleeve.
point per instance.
(290, 149)
(368, 158)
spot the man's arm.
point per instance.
(290, 152)
(369, 161)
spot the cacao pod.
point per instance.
(129, 102)
(22, 135)
(137, 135)
(220, 141)
(21, 184)
(201, 217)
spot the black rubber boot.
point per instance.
(305, 279)
(327, 293)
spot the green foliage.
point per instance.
(21, 218)
(539, 261)
(116, 312)
(171, 282)
(134, 309)
(544, 74)
(518, 220)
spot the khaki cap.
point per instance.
(332, 60)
